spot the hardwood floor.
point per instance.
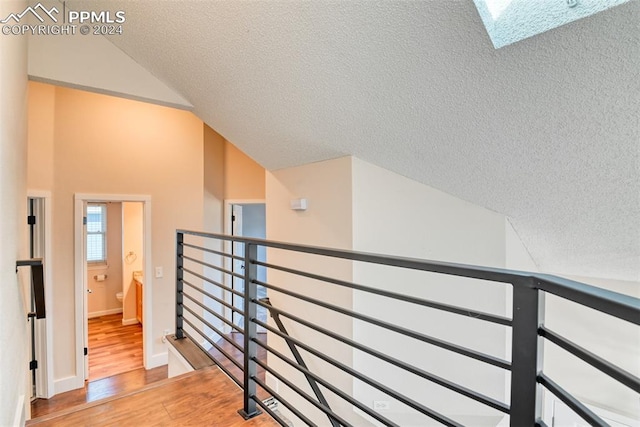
(99, 389)
(113, 348)
(115, 366)
(205, 397)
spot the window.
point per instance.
(97, 233)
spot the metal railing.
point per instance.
(205, 282)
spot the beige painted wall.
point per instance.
(398, 216)
(244, 178)
(41, 111)
(327, 222)
(102, 299)
(132, 253)
(14, 397)
(107, 145)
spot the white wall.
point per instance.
(398, 216)
(13, 199)
(132, 242)
(612, 339)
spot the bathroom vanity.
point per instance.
(138, 279)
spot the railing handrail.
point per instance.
(619, 305)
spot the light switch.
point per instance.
(159, 272)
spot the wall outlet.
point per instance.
(159, 272)
(381, 405)
(164, 334)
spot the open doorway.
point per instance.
(112, 247)
(247, 219)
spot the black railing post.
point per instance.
(526, 353)
(179, 284)
(250, 408)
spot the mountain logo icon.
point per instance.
(43, 11)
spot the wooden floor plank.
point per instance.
(206, 397)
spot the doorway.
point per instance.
(247, 218)
(112, 255)
(41, 337)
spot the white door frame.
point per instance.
(228, 209)
(44, 377)
(81, 277)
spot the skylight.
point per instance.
(509, 21)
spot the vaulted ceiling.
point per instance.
(545, 131)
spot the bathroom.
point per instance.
(114, 287)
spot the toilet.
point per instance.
(119, 296)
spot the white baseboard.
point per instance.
(67, 384)
(127, 322)
(19, 418)
(159, 359)
(104, 312)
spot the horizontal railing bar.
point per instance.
(216, 330)
(306, 396)
(592, 359)
(491, 360)
(407, 298)
(209, 310)
(326, 384)
(618, 305)
(622, 306)
(214, 267)
(396, 362)
(217, 362)
(220, 349)
(284, 402)
(268, 410)
(213, 251)
(213, 297)
(404, 399)
(573, 403)
(213, 282)
(471, 271)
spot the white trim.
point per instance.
(156, 360)
(129, 322)
(45, 383)
(104, 312)
(19, 417)
(150, 361)
(178, 365)
(67, 384)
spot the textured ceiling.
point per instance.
(546, 131)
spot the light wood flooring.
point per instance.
(201, 398)
(113, 348)
(99, 389)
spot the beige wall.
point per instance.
(244, 178)
(102, 299)
(326, 222)
(132, 242)
(107, 145)
(13, 199)
(41, 111)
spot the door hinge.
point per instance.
(86, 351)
(84, 220)
(31, 220)
(33, 365)
(233, 218)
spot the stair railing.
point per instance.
(529, 333)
